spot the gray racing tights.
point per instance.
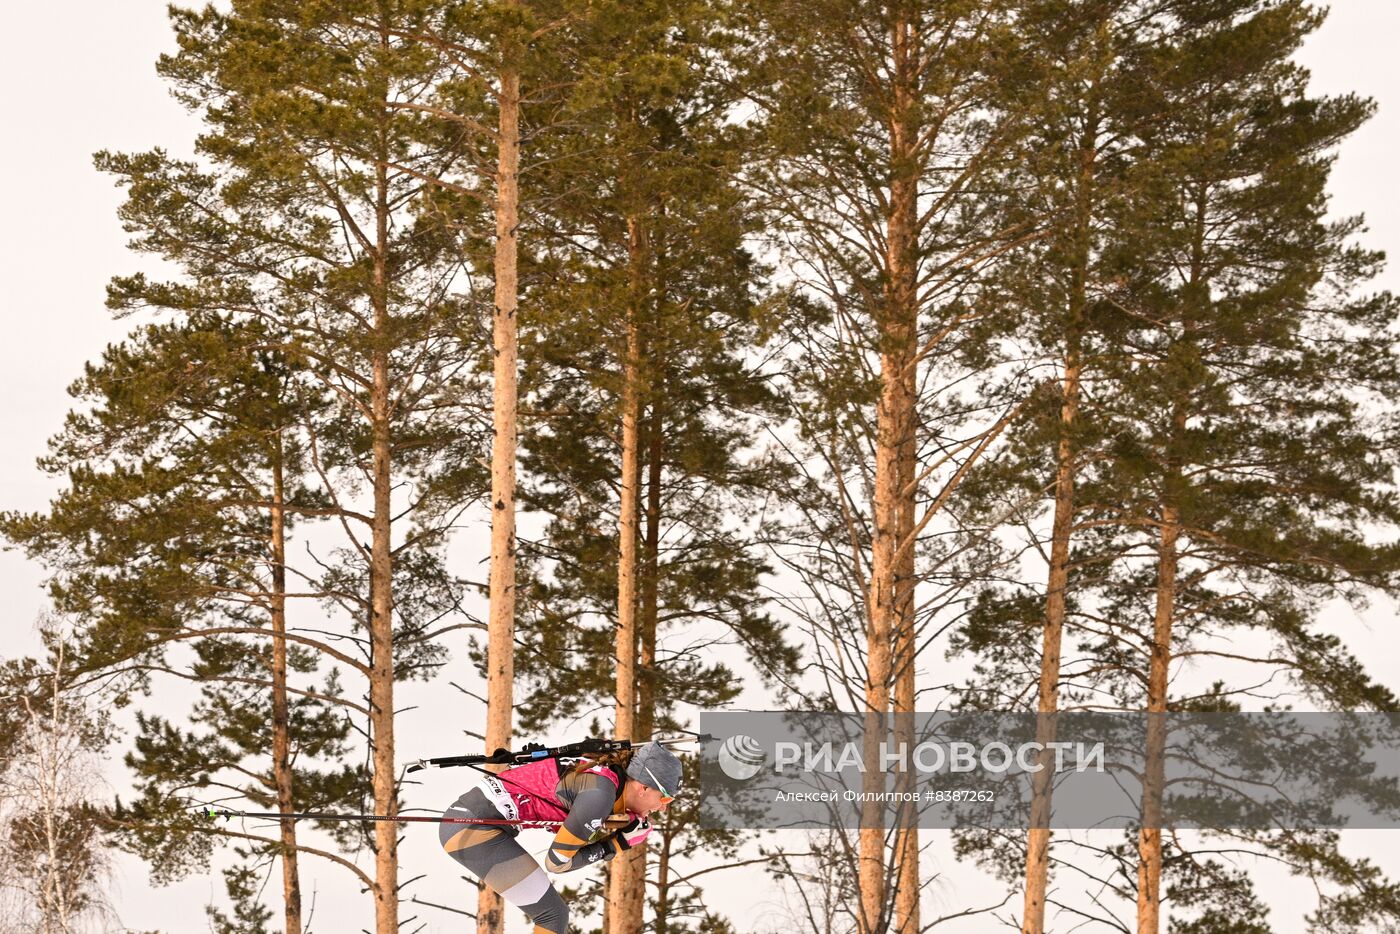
(493, 856)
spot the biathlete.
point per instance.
(580, 794)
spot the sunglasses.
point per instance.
(665, 798)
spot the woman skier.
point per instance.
(603, 805)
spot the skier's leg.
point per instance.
(493, 856)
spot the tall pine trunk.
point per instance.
(663, 887)
(1061, 530)
(648, 611)
(906, 837)
(381, 574)
(893, 506)
(648, 608)
(906, 856)
(1048, 695)
(627, 875)
(1149, 894)
(281, 718)
(1149, 890)
(500, 650)
(881, 629)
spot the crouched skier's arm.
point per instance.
(593, 796)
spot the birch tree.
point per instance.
(51, 733)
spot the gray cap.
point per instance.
(656, 767)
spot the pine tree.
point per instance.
(249, 917)
(1088, 105)
(500, 659)
(474, 43)
(641, 405)
(304, 110)
(313, 223)
(879, 129)
(1244, 436)
(1146, 104)
(184, 472)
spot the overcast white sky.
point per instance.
(79, 77)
